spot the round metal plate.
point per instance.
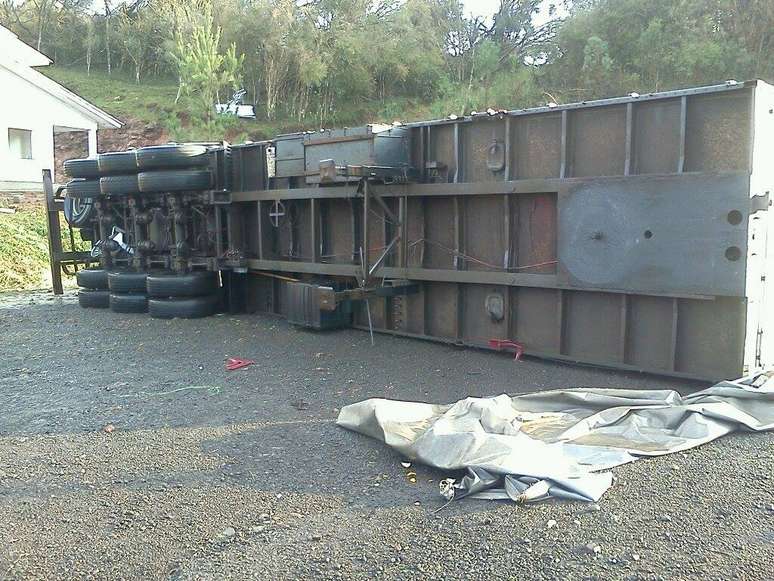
(596, 239)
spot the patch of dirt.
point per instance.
(133, 134)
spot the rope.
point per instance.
(478, 260)
(451, 251)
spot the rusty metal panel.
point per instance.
(302, 219)
(378, 307)
(537, 146)
(593, 326)
(483, 147)
(485, 233)
(598, 142)
(413, 321)
(285, 234)
(485, 313)
(441, 148)
(650, 332)
(415, 232)
(656, 137)
(249, 167)
(264, 231)
(248, 216)
(337, 230)
(280, 240)
(710, 336)
(439, 242)
(718, 132)
(535, 221)
(377, 233)
(537, 319)
(441, 310)
(403, 314)
(391, 229)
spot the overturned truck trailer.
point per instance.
(631, 232)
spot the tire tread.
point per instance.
(183, 308)
(93, 299)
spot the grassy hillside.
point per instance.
(153, 102)
(150, 101)
(24, 250)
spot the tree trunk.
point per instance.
(41, 23)
(107, 36)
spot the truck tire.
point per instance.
(117, 162)
(92, 278)
(175, 180)
(121, 281)
(170, 156)
(93, 299)
(81, 168)
(83, 188)
(192, 284)
(183, 308)
(119, 185)
(129, 302)
(78, 211)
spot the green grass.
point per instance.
(150, 101)
(153, 101)
(24, 250)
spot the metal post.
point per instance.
(54, 233)
(364, 246)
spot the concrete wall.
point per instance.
(23, 105)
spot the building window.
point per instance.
(20, 143)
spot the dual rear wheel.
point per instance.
(182, 296)
(162, 294)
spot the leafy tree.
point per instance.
(331, 62)
(660, 44)
(204, 72)
(140, 33)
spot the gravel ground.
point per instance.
(126, 451)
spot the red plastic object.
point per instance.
(507, 344)
(232, 363)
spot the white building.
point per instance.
(32, 109)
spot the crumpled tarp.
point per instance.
(559, 443)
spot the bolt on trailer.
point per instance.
(630, 233)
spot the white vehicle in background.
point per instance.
(235, 108)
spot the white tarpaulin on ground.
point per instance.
(558, 443)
